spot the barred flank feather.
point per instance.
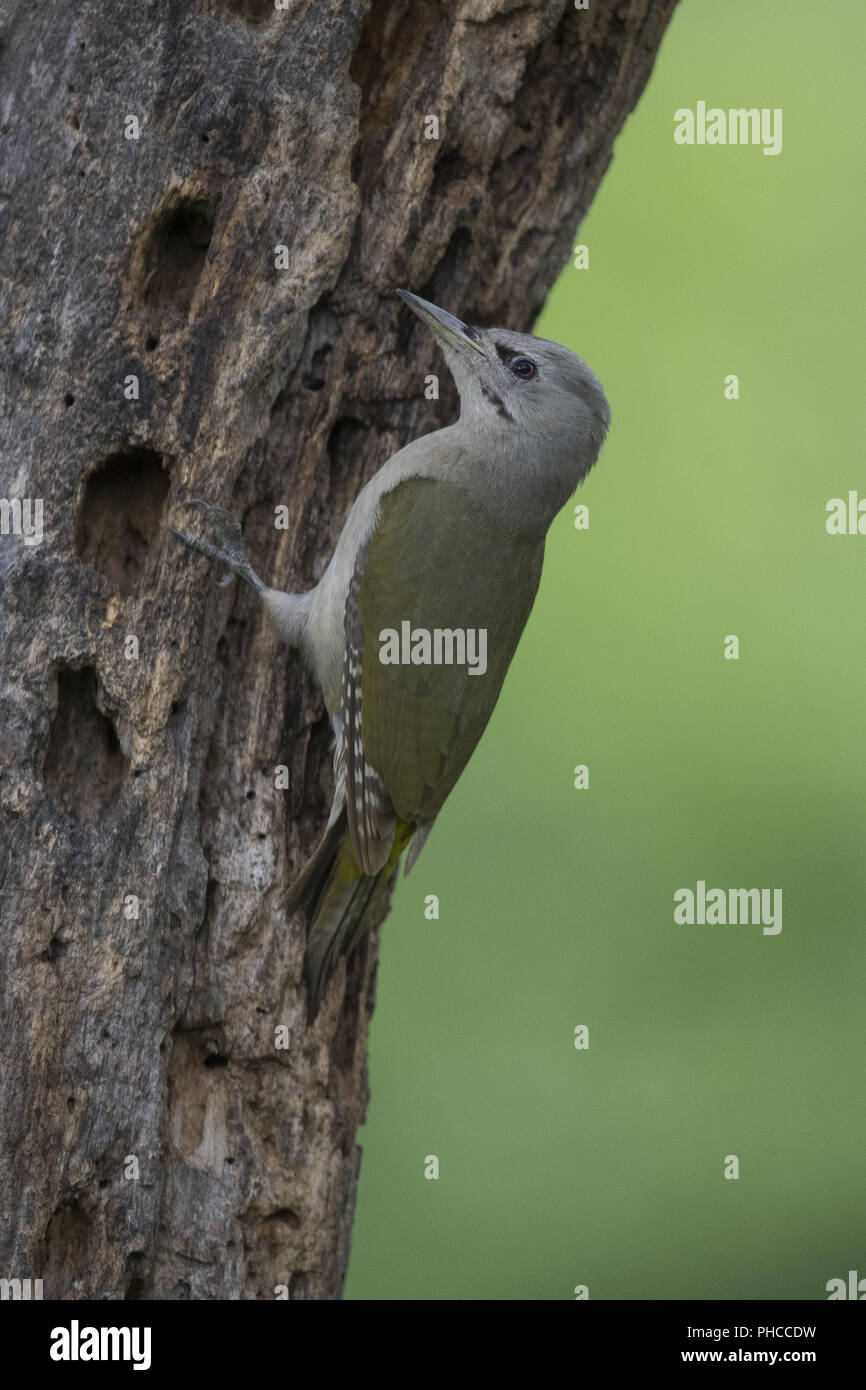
(341, 899)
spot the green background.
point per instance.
(604, 1167)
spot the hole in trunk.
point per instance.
(120, 515)
(175, 254)
(84, 767)
(252, 11)
(63, 1249)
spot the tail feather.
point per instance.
(342, 901)
(307, 887)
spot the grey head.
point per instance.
(534, 404)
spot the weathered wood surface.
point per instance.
(154, 1039)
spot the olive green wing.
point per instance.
(439, 562)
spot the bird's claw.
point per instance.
(227, 546)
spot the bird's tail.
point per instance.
(341, 899)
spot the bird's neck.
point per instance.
(523, 483)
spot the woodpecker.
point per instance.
(445, 543)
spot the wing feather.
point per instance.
(437, 560)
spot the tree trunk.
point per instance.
(170, 1127)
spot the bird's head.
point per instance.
(513, 387)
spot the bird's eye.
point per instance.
(524, 367)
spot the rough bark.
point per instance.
(154, 1038)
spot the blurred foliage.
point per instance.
(707, 517)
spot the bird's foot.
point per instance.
(225, 543)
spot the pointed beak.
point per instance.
(444, 326)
